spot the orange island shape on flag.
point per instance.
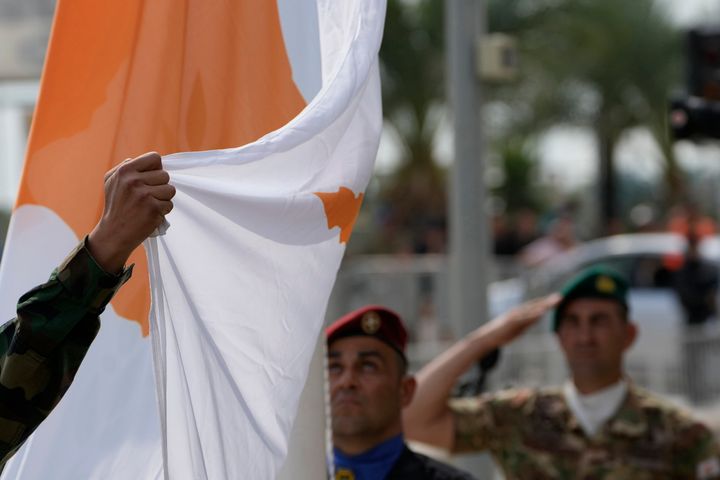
(130, 81)
(341, 209)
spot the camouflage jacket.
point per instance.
(42, 348)
(532, 434)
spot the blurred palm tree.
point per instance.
(412, 69)
(607, 64)
(519, 189)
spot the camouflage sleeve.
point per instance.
(42, 348)
(697, 454)
(486, 422)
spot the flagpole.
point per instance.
(469, 234)
(308, 444)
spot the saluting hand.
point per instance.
(512, 324)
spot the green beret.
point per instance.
(595, 282)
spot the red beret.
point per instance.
(372, 321)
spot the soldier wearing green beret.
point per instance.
(42, 348)
(597, 425)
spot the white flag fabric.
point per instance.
(241, 280)
(242, 277)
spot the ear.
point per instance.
(408, 386)
(631, 332)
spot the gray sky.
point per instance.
(689, 12)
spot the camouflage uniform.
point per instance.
(42, 348)
(532, 434)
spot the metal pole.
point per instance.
(306, 457)
(469, 237)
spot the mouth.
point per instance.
(586, 350)
(588, 347)
(346, 401)
(586, 356)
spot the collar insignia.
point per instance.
(344, 474)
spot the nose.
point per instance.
(585, 332)
(347, 379)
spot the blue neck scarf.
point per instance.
(374, 464)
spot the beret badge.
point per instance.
(605, 284)
(370, 323)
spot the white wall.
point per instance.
(17, 100)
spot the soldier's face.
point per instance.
(594, 335)
(367, 389)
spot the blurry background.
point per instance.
(580, 164)
(581, 167)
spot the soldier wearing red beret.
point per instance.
(369, 386)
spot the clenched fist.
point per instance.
(137, 198)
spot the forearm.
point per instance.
(437, 379)
(42, 348)
(77, 290)
(107, 252)
(32, 384)
(428, 417)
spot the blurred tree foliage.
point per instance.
(519, 188)
(412, 69)
(608, 65)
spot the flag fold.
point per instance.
(241, 280)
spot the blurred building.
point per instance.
(24, 31)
